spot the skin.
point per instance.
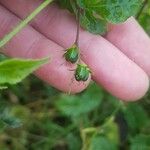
(120, 61)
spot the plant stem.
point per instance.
(78, 33)
(23, 23)
(78, 28)
(142, 8)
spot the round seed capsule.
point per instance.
(72, 54)
(82, 72)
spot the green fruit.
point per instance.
(72, 54)
(82, 72)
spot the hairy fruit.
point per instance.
(72, 54)
(82, 72)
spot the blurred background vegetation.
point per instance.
(35, 116)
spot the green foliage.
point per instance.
(93, 24)
(144, 17)
(9, 69)
(101, 143)
(75, 106)
(135, 116)
(95, 14)
(74, 142)
(117, 11)
(103, 137)
(35, 116)
(111, 131)
(13, 71)
(51, 120)
(140, 142)
(7, 119)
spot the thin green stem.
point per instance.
(23, 23)
(78, 32)
(78, 28)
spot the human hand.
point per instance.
(120, 61)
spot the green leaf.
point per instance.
(13, 71)
(8, 120)
(65, 4)
(93, 24)
(88, 19)
(73, 106)
(117, 11)
(88, 4)
(101, 143)
(114, 11)
(2, 87)
(87, 134)
(95, 14)
(12, 122)
(84, 103)
(111, 131)
(21, 112)
(145, 21)
(135, 116)
(74, 142)
(140, 142)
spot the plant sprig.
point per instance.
(23, 23)
(72, 55)
(13, 71)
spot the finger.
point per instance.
(111, 68)
(129, 37)
(31, 44)
(133, 41)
